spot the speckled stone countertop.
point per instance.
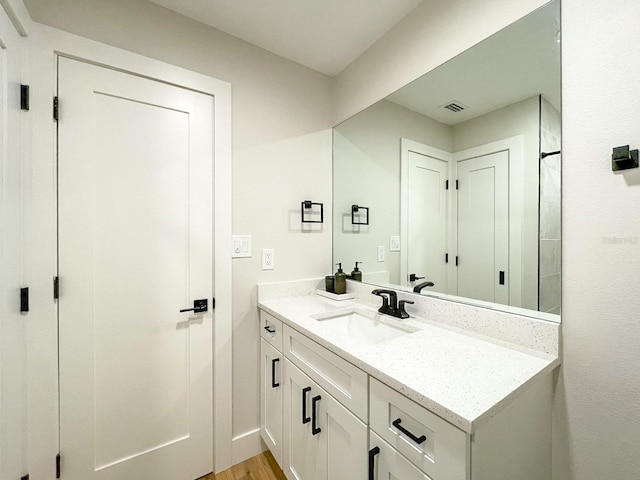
(464, 378)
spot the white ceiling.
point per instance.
(519, 62)
(325, 35)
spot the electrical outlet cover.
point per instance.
(268, 259)
(381, 253)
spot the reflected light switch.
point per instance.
(381, 253)
(394, 244)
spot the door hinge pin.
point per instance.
(456, 260)
(58, 461)
(446, 258)
(457, 185)
(56, 108)
(446, 185)
(56, 288)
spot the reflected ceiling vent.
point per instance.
(454, 106)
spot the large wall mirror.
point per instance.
(451, 185)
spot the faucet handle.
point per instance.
(402, 313)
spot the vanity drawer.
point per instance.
(433, 445)
(345, 382)
(271, 329)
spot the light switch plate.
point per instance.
(241, 246)
(381, 253)
(394, 243)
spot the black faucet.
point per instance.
(422, 285)
(390, 304)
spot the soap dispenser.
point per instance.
(340, 285)
(356, 274)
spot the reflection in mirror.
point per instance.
(460, 172)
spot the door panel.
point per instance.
(135, 233)
(483, 227)
(271, 386)
(427, 210)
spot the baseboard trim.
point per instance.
(247, 445)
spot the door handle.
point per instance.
(418, 440)
(305, 419)
(501, 279)
(413, 277)
(314, 415)
(273, 372)
(199, 306)
(269, 329)
(372, 461)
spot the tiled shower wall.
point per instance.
(550, 224)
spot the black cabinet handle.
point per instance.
(418, 440)
(269, 329)
(273, 372)
(314, 415)
(501, 280)
(305, 419)
(372, 461)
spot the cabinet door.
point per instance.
(386, 463)
(271, 399)
(323, 440)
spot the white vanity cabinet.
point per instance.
(328, 419)
(271, 387)
(271, 384)
(323, 440)
(385, 462)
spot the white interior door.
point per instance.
(483, 227)
(423, 214)
(135, 247)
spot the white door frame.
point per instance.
(46, 45)
(407, 146)
(514, 146)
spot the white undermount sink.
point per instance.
(361, 325)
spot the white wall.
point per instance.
(367, 173)
(597, 407)
(13, 325)
(596, 404)
(521, 118)
(281, 155)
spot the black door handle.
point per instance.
(273, 372)
(269, 329)
(314, 415)
(418, 440)
(305, 419)
(372, 461)
(199, 306)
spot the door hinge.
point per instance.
(56, 288)
(56, 108)
(24, 98)
(456, 260)
(58, 466)
(24, 300)
(446, 185)
(446, 258)
(457, 185)
(213, 303)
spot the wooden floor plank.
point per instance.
(260, 467)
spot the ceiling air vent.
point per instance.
(454, 106)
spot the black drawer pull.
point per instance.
(314, 415)
(372, 461)
(273, 372)
(418, 440)
(269, 329)
(305, 419)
